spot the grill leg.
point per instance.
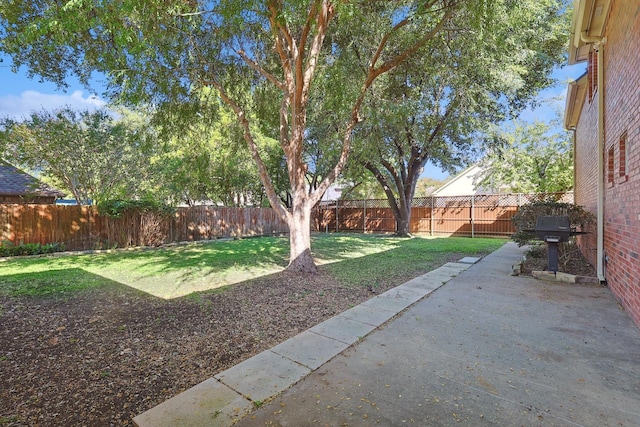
(552, 256)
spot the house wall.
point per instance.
(622, 116)
(622, 186)
(586, 172)
(463, 184)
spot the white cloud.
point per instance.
(21, 106)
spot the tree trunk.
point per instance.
(405, 183)
(403, 221)
(300, 258)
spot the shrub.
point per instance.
(8, 249)
(527, 216)
(139, 222)
(115, 208)
(536, 251)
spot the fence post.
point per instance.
(431, 216)
(326, 217)
(473, 224)
(364, 216)
(337, 215)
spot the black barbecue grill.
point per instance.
(554, 230)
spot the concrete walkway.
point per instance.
(485, 349)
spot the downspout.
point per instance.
(573, 146)
(598, 44)
(574, 158)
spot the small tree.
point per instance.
(530, 157)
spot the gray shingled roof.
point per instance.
(14, 182)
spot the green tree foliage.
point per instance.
(525, 220)
(90, 154)
(211, 162)
(440, 105)
(362, 190)
(369, 188)
(161, 54)
(426, 186)
(530, 158)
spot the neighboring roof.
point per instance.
(587, 25)
(575, 100)
(14, 182)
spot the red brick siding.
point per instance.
(611, 164)
(586, 172)
(622, 118)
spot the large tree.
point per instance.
(441, 110)
(157, 53)
(89, 153)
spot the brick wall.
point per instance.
(622, 157)
(586, 172)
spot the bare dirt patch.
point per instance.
(102, 356)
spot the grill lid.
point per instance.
(553, 228)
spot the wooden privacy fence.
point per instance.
(82, 227)
(477, 215)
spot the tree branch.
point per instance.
(253, 64)
(385, 186)
(441, 122)
(328, 12)
(253, 148)
(372, 75)
(402, 56)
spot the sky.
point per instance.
(19, 95)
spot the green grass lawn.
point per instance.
(178, 271)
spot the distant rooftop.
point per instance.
(15, 182)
